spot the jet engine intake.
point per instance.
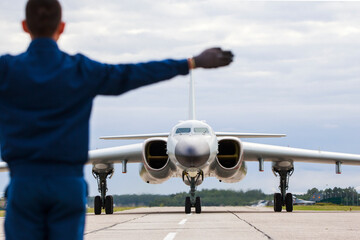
(229, 166)
(156, 167)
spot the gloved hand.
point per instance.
(213, 58)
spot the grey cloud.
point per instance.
(296, 68)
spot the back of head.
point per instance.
(43, 17)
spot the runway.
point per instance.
(223, 223)
(170, 223)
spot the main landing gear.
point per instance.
(283, 198)
(192, 201)
(103, 201)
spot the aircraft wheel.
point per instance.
(109, 205)
(289, 202)
(97, 205)
(198, 205)
(187, 205)
(277, 202)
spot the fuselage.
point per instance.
(192, 145)
(192, 150)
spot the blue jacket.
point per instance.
(45, 103)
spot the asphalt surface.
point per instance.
(170, 223)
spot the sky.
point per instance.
(296, 71)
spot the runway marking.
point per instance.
(270, 238)
(182, 222)
(170, 236)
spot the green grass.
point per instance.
(116, 209)
(326, 207)
(323, 207)
(2, 213)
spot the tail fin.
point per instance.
(191, 98)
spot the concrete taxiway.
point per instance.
(223, 223)
(170, 223)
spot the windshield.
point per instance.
(183, 130)
(201, 130)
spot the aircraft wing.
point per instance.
(132, 153)
(219, 134)
(254, 151)
(135, 137)
(248, 135)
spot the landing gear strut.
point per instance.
(193, 201)
(283, 198)
(103, 201)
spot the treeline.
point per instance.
(208, 198)
(214, 197)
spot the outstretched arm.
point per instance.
(117, 79)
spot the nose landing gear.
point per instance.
(192, 201)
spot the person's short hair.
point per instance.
(43, 17)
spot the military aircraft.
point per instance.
(261, 203)
(192, 151)
(298, 201)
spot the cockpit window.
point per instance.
(201, 130)
(183, 130)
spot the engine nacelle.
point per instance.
(103, 168)
(229, 165)
(282, 166)
(156, 167)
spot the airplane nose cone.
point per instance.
(192, 152)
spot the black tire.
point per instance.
(109, 205)
(278, 202)
(97, 205)
(187, 205)
(289, 202)
(198, 205)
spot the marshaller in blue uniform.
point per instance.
(46, 98)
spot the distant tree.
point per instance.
(211, 197)
(214, 197)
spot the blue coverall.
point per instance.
(45, 103)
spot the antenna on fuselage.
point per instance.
(191, 98)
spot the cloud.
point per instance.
(296, 71)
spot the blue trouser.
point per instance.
(46, 207)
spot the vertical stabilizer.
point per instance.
(191, 98)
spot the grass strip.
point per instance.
(326, 208)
